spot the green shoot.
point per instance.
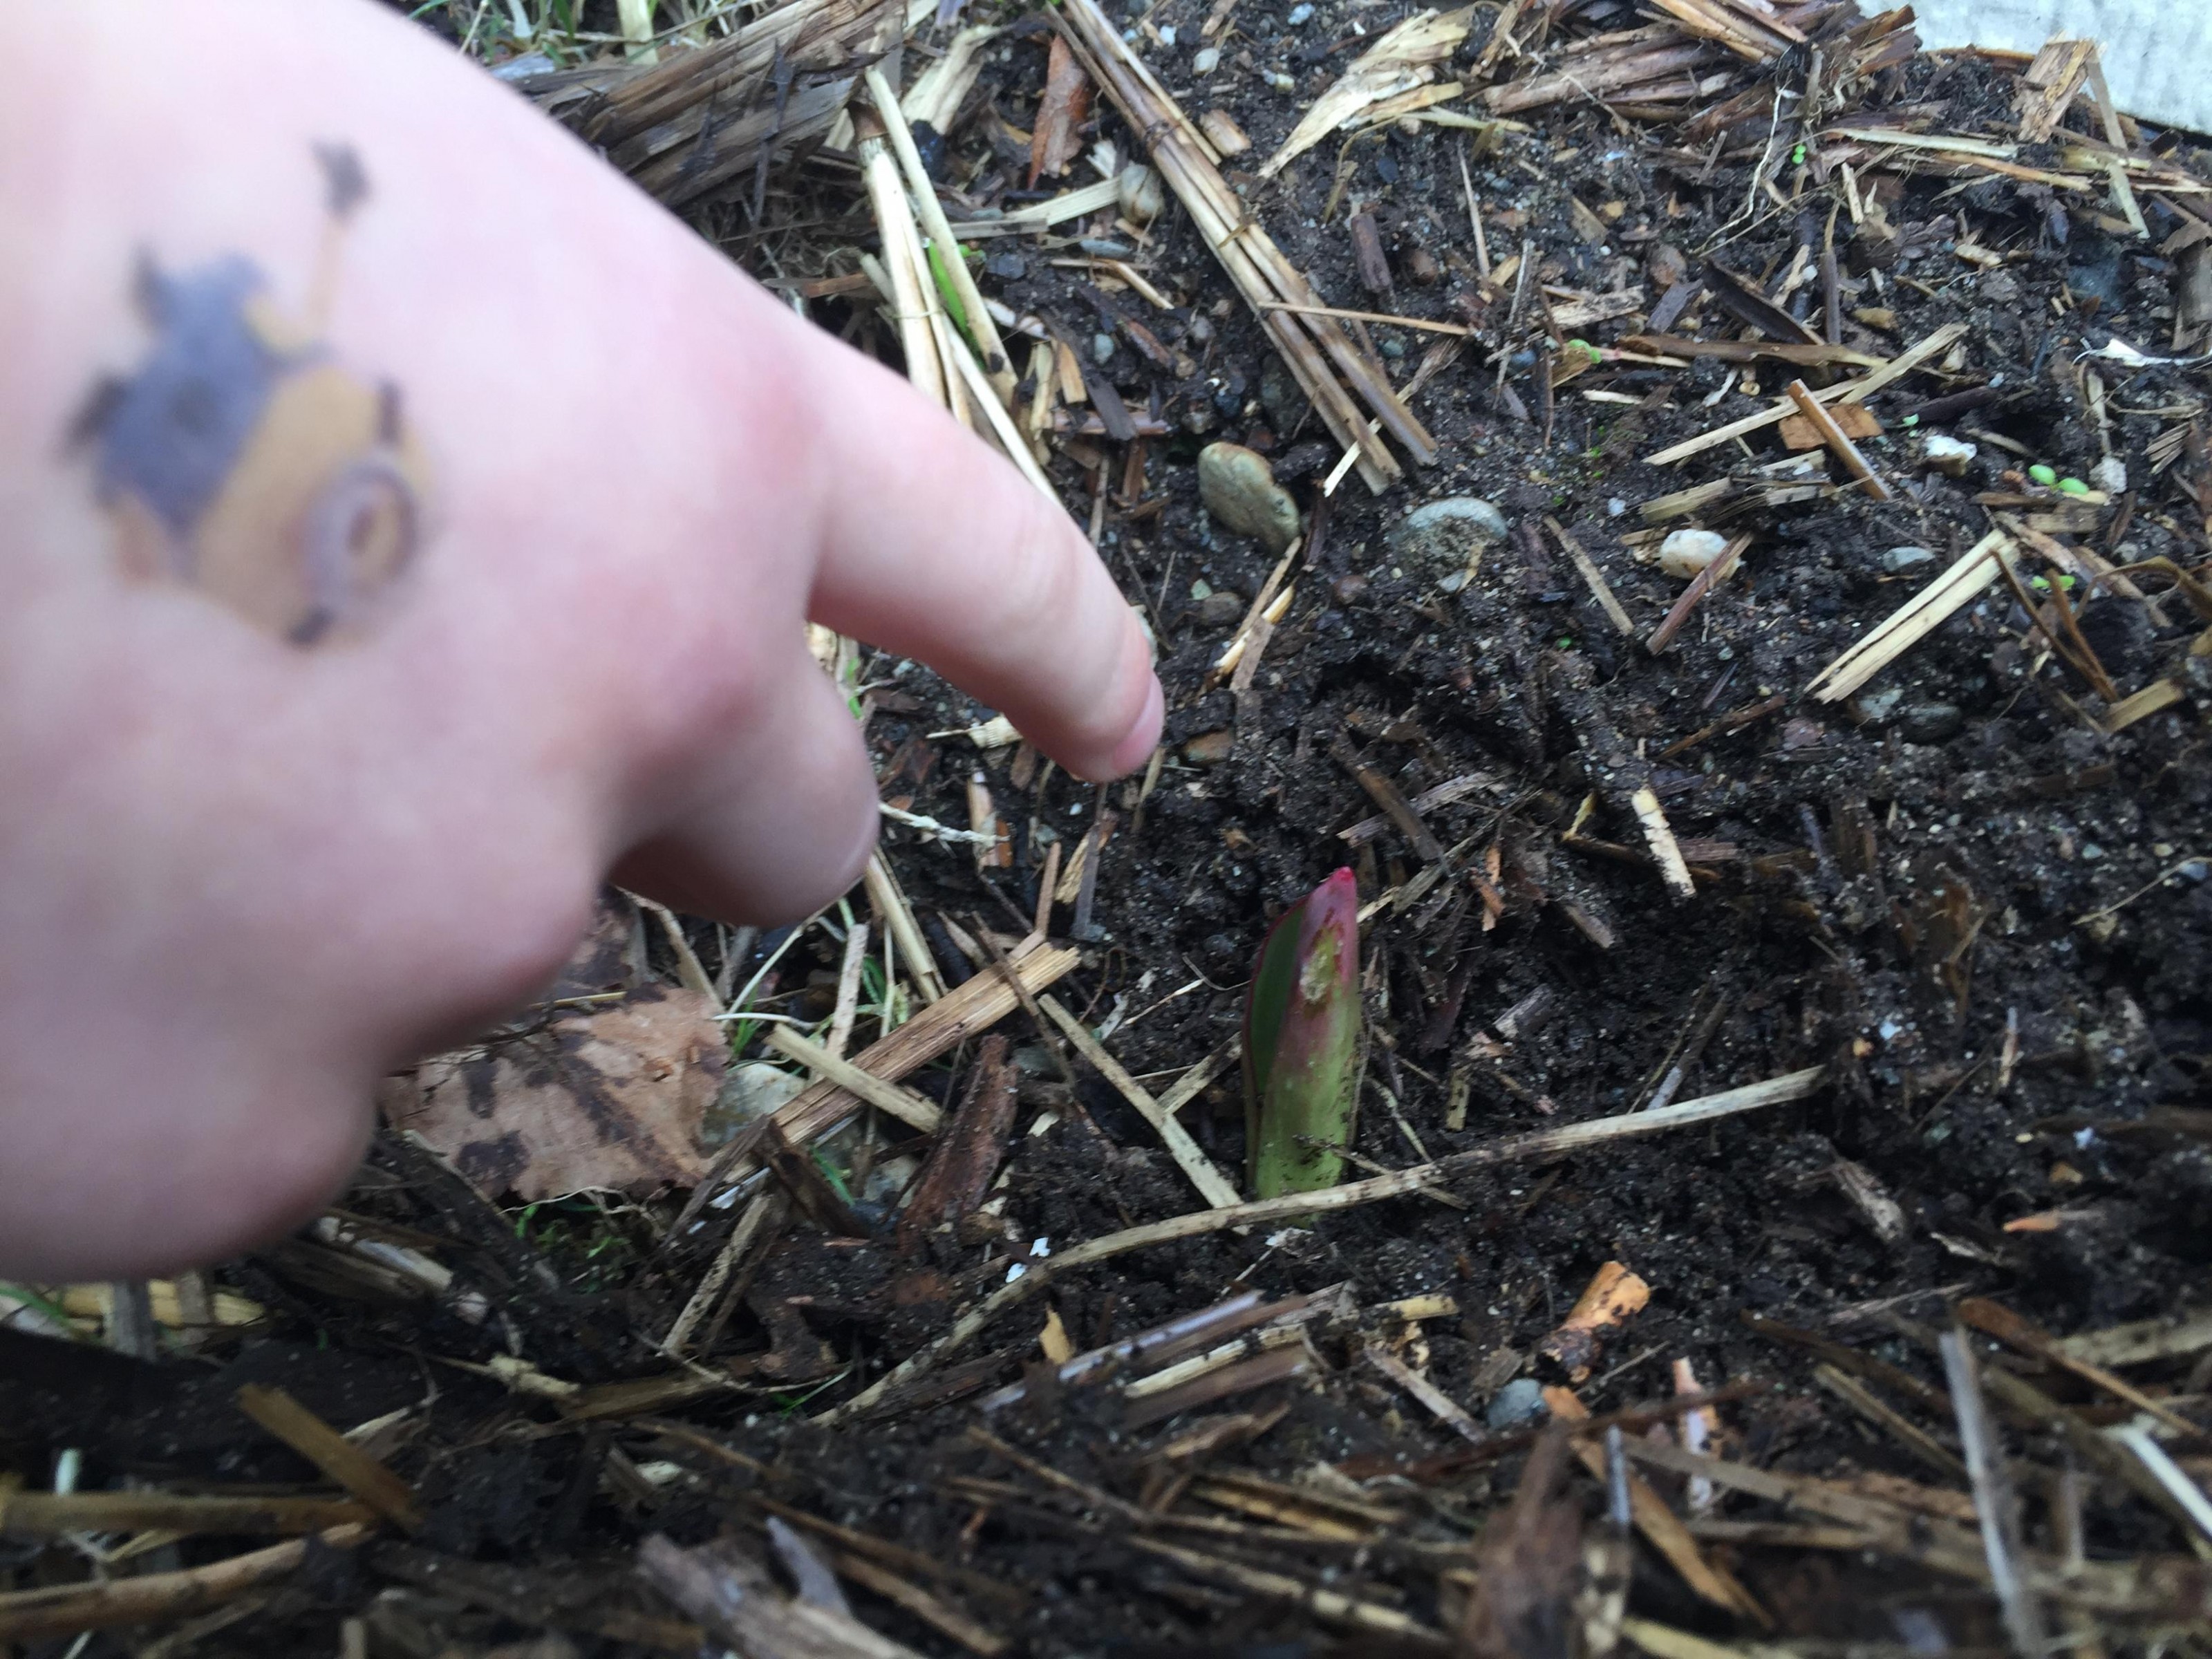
(1301, 1042)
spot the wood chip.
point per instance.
(1600, 589)
(908, 1108)
(1838, 441)
(362, 1475)
(1975, 572)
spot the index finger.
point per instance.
(936, 548)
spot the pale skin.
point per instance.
(241, 876)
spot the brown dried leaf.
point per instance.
(1401, 60)
(1066, 103)
(607, 1097)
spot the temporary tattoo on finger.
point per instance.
(240, 458)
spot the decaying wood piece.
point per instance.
(1638, 65)
(968, 1009)
(1441, 1405)
(1388, 796)
(1838, 441)
(1600, 590)
(1526, 1562)
(699, 119)
(1317, 348)
(966, 1156)
(2048, 85)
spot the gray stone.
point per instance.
(1904, 558)
(1879, 706)
(1929, 722)
(1102, 347)
(1520, 1400)
(1443, 535)
(1221, 609)
(1241, 494)
(889, 1179)
(749, 1093)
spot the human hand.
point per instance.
(405, 523)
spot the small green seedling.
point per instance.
(2072, 487)
(1301, 1042)
(2046, 475)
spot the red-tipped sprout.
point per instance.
(1301, 1042)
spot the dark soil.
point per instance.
(1955, 890)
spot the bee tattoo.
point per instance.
(242, 459)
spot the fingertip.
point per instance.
(1135, 750)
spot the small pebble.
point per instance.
(1280, 81)
(1445, 535)
(1168, 37)
(1205, 61)
(1102, 347)
(1615, 507)
(2195, 870)
(1299, 15)
(1929, 722)
(1221, 609)
(1520, 1400)
(1947, 455)
(2046, 475)
(1349, 589)
(2091, 851)
(1139, 193)
(1904, 558)
(2111, 476)
(1240, 494)
(1393, 349)
(1209, 748)
(1687, 552)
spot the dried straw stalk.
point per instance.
(1310, 340)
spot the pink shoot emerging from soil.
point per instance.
(1301, 1042)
